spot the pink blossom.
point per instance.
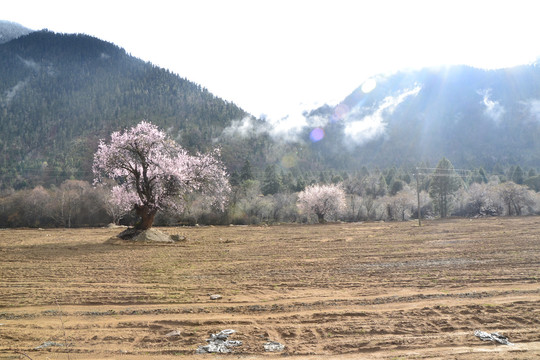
(325, 201)
(153, 172)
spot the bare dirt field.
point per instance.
(339, 291)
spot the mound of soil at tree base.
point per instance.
(114, 226)
(132, 235)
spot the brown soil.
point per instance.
(341, 291)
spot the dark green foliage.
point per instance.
(478, 176)
(271, 183)
(336, 179)
(390, 175)
(300, 184)
(533, 182)
(444, 183)
(323, 177)
(383, 186)
(406, 177)
(288, 182)
(246, 173)
(60, 93)
(518, 176)
(396, 187)
(234, 179)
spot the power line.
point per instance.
(438, 171)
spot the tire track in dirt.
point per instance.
(338, 290)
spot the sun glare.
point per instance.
(368, 86)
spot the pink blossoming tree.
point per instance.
(152, 172)
(325, 201)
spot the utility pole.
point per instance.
(418, 197)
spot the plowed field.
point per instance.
(341, 291)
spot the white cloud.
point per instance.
(492, 109)
(281, 127)
(533, 107)
(10, 94)
(243, 128)
(30, 63)
(373, 125)
(289, 128)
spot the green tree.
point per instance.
(483, 175)
(246, 173)
(533, 182)
(300, 183)
(234, 179)
(390, 175)
(324, 178)
(287, 182)
(336, 179)
(518, 176)
(396, 187)
(478, 176)
(383, 186)
(271, 182)
(444, 183)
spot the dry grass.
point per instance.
(371, 290)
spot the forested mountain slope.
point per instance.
(10, 30)
(474, 117)
(60, 93)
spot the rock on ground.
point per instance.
(494, 337)
(219, 343)
(141, 236)
(273, 346)
(47, 344)
(173, 333)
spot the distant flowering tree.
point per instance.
(516, 198)
(114, 204)
(152, 172)
(325, 201)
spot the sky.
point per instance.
(282, 57)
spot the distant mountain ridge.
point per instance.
(10, 30)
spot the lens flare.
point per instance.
(289, 161)
(340, 111)
(317, 134)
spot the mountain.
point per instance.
(10, 30)
(472, 116)
(61, 93)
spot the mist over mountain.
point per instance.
(10, 30)
(472, 116)
(61, 93)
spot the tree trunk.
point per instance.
(320, 217)
(146, 217)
